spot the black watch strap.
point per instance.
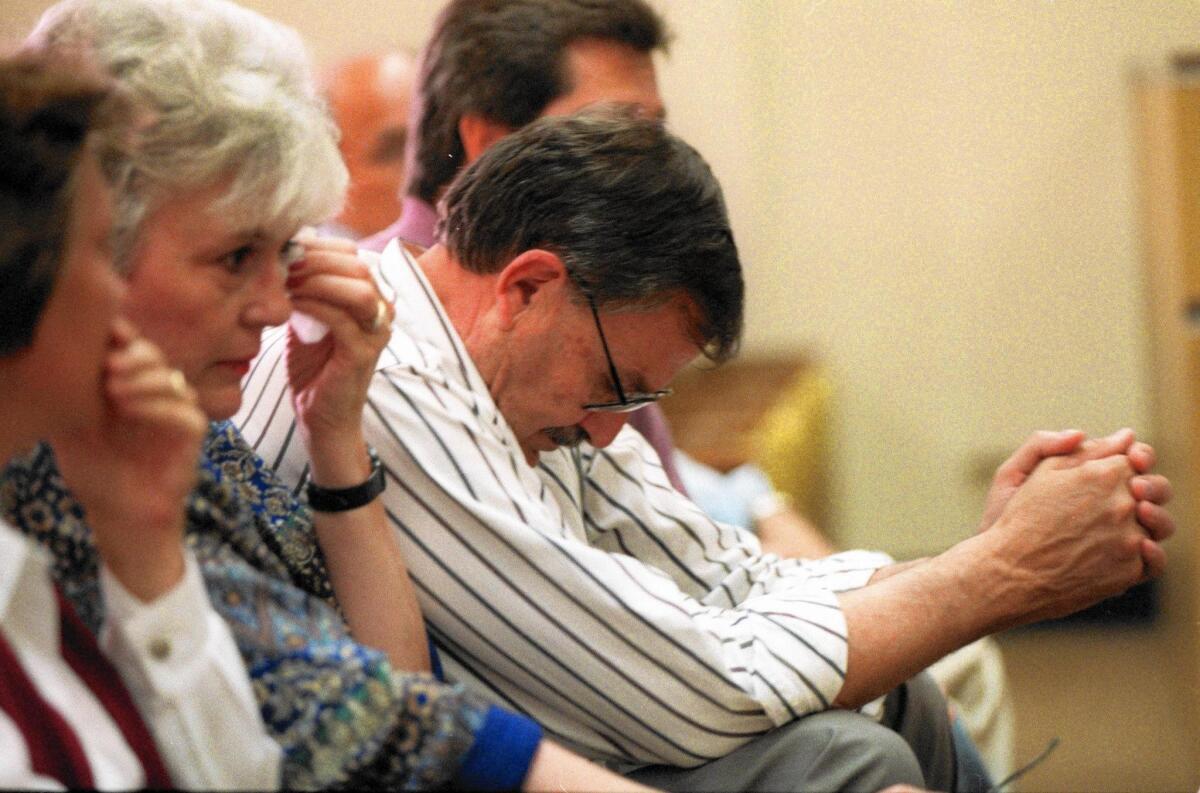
(326, 500)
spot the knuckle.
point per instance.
(1112, 469)
(1121, 509)
(1130, 545)
(1094, 469)
(1159, 521)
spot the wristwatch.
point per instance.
(323, 499)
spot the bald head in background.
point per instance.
(369, 97)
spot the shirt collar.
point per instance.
(16, 552)
(422, 316)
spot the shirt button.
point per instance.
(159, 649)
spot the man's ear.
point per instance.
(478, 132)
(531, 281)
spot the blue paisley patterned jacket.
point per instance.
(340, 713)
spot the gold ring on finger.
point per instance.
(178, 383)
(380, 315)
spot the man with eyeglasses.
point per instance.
(582, 263)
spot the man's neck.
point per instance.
(466, 298)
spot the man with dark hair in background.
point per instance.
(493, 66)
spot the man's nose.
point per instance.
(602, 428)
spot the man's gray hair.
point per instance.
(634, 212)
(229, 99)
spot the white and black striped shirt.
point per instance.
(585, 593)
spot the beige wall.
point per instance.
(939, 200)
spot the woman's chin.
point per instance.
(220, 403)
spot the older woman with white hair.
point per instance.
(234, 155)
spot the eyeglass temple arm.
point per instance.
(612, 367)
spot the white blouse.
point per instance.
(175, 655)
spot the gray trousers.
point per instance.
(834, 751)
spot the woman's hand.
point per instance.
(330, 378)
(133, 471)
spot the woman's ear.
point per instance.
(478, 132)
(533, 281)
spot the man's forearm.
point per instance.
(913, 613)
(884, 573)
(1067, 539)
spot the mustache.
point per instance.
(567, 436)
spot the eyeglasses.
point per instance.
(626, 402)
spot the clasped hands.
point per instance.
(1086, 517)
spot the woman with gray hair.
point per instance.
(234, 155)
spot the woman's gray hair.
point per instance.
(229, 98)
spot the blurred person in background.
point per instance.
(369, 98)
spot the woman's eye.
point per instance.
(235, 260)
(291, 252)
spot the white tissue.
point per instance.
(391, 259)
(308, 329)
(311, 330)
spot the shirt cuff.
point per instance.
(499, 758)
(162, 638)
(847, 570)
